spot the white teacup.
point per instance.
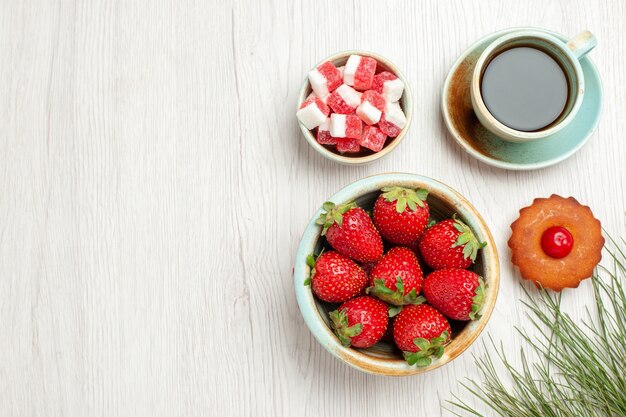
(567, 55)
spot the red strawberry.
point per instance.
(401, 214)
(388, 336)
(350, 231)
(336, 278)
(449, 244)
(397, 278)
(457, 293)
(416, 250)
(360, 322)
(421, 332)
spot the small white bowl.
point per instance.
(406, 102)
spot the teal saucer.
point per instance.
(465, 128)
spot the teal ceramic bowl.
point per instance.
(383, 358)
(366, 156)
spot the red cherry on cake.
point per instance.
(557, 242)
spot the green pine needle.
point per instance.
(581, 367)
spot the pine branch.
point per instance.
(581, 366)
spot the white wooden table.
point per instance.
(154, 186)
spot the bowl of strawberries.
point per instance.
(396, 274)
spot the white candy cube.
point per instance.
(395, 115)
(349, 95)
(311, 115)
(350, 69)
(319, 84)
(393, 89)
(324, 127)
(368, 113)
(338, 125)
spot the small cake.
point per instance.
(556, 242)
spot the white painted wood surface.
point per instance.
(154, 186)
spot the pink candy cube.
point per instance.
(323, 134)
(313, 112)
(348, 145)
(373, 138)
(371, 107)
(344, 100)
(359, 72)
(387, 84)
(345, 126)
(325, 79)
(393, 120)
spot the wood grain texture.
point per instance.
(154, 186)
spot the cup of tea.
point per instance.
(528, 85)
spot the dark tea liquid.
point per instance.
(524, 88)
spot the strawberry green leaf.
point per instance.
(310, 260)
(467, 251)
(379, 287)
(462, 239)
(422, 362)
(410, 358)
(401, 205)
(394, 310)
(405, 197)
(382, 292)
(467, 239)
(441, 339)
(345, 333)
(438, 353)
(426, 349)
(422, 194)
(413, 298)
(422, 343)
(345, 207)
(399, 286)
(334, 214)
(478, 299)
(354, 330)
(417, 359)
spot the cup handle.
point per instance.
(582, 43)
